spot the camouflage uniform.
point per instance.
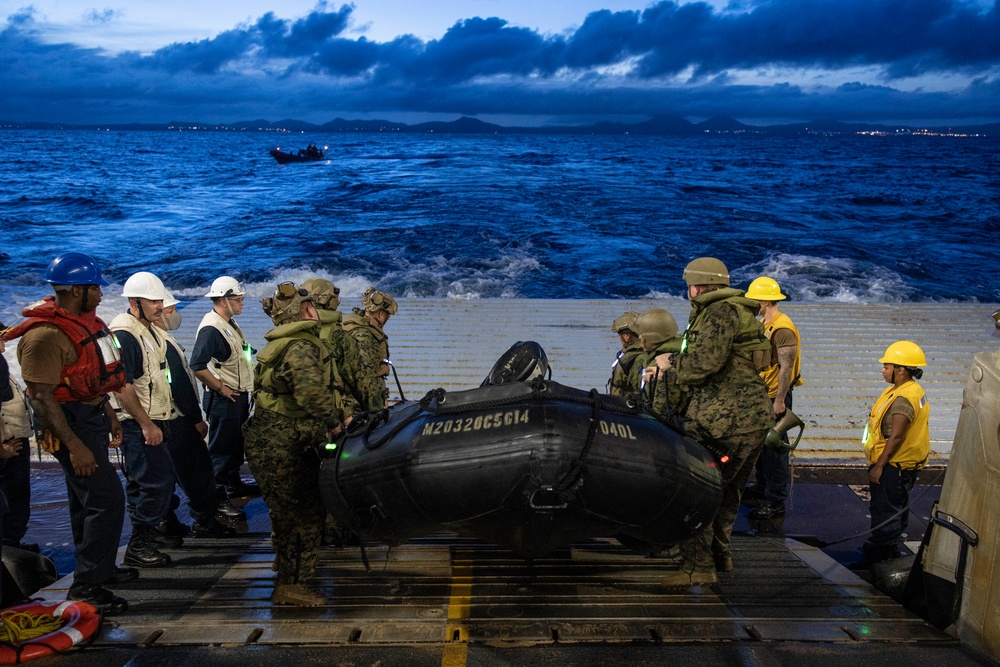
(373, 344)
(619, 384)
(360, 389)
(728, 410)
(668, 399)
(296, 408)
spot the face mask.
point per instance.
(172, 320)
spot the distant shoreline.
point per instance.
(656, 126)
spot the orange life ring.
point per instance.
(82, 621)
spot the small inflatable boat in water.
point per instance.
(523, 462)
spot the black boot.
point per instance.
(141, 551)
(212, 528)
(171, 526)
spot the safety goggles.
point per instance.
(288, 290)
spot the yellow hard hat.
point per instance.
(765, 289)
(904, 353)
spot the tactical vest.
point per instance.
(750, 343)
(770, 374)
(15, 420)
(98, 367)
(916, 446)
(656, 393)
(329, 323)
(274, 394)
(235, 370)
(618, 385)
(358, 322)
(153, 387)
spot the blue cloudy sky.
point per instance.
(524, 62)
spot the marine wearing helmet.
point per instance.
(375, 301)
(359, 389)
(624, 326)
(706, 271)
(324, 293)
(287, 304)
(366, 325)
(296, 413)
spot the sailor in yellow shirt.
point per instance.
(773, 465)
(897, 444)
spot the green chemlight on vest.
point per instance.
(248, 353)
(166, 372)
(330, 446)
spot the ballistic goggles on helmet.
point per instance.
(288, 290)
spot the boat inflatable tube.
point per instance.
(82, 621)
(532, 467)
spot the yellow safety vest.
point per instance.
(770, 374)
(916, 446)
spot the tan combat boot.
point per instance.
(297, 594)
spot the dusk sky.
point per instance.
(514, 62)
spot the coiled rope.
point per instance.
(20, 626)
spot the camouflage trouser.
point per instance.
(277, 450)
(714, 538)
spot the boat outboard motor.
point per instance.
(522, 362)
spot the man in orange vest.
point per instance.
(70, 362)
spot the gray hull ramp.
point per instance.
(448, 600)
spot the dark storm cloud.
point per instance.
(614, 63)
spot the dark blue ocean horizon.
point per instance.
(843, 218)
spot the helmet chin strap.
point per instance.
(142, 311)
(86, 297)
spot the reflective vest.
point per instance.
(171, 341)
(916, 446)
(15, 420)
(274, 394)
(98, 368)
(770, 374)
(153, 387)
(235, 370)
(357, 323)
(618, 385)
(750, 343)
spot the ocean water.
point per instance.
(842, 218)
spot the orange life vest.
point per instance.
(98, 368)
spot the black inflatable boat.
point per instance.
(532, 466)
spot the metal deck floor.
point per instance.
(453, 601)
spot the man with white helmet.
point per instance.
(146, 407)
(773, 468)
(221, 361)
(186, 441)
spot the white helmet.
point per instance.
(169, 300)
(225, 286)
(144, 285)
